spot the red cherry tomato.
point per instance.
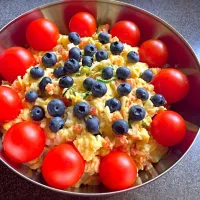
(154, 53)
(14, 62)
(42, 34)
(127, 32)
(63, 166)
(10, 104)
(83, 23)
(24, 142)
(168, 128)
(117, 170)
(172, 84)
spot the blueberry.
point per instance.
(56, 124)
(92, 124)
(31, 96)
(88, 83)
(66, 82)
(90, 50)
(49, 59)
(87, 61)
(142, 94)
(59, 71)
(75, 53)
(147, 75)
(113, 104)
(56, 107)
(123, 73)
(120, 127)
(36, 72)
(136, 113)
(107, 73)
(43, 83)
(133, 57)
(158, 100)
(116, 48)
(74, 38)
(124, 89)
(71, 66)
(37, 113)
(99, 89)
(104, 38)
(101, 55)
(81, 110)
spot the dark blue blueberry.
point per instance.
(101, 55)
(107, 73)
(71, 66)
(99, 89)
(124, 89)
(158, 100)
(36, 72)
(81, 110)
(87, 61)
(123, 73)
(113, 104)
(56, 124)
(92, 124)
(37, 113)
(136, 113)
(104, 38)
(31, 96)
(90, 50)
(88, 83)
(43, 83)
(56, 107)
(147, 75)
(75, 53)
(49, 59)
(66, 82)
(74, 38)
(116, 48)
(142, 94)
(120, 127)
(133, 57)
(59, 71)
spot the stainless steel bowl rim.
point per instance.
(150, 15)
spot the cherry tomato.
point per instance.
(168, 128)
(14, 62)
(24, 142)
(154, 53)
(83, 23)
(42, 34)
(117, 170)
(172, 84)
(63, 166)
(10, 104)
(127, 32)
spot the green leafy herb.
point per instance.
(129, 123)
(106, 81)
(86, 94)
(72, 89)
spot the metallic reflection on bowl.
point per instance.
(180, 55)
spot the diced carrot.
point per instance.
(60, 50)
(131, 82)
(77, 128)
(49, 87)
(65, 55)
(93, 110)
(83, 43)
(38, 59)
(107, 143)
(116, 116)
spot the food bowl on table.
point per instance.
(180, 56)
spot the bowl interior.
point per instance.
(180, 56)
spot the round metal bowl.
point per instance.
(181, 56)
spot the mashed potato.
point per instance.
(138, 142)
